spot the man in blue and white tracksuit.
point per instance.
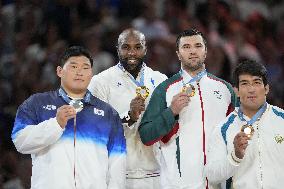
(76, 141)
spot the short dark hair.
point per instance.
(75, 51)
(250, 67)
(190, 32)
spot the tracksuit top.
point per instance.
(263, 163)
(90, 155)
(184, 138)
(115, 87)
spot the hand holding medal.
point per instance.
(248, 130)
(77, 104)
(143, 92)
(188, 89)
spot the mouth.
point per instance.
(132, 60)
(193, 58)
(80, 80)
(251, 97)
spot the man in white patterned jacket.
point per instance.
(249, 144)
(125, 86)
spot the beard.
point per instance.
(133, 69)
(191, 66)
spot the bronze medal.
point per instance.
(142, 91)
(248, 130)
(189, 89)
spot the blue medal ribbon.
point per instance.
(256, 116)
(196, 78)
(137, 83)
(67, 99)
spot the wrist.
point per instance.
(128, 119)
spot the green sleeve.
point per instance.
(158, 119)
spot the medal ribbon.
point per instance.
(255, 117)
(137, 83)
(196, 78)
(66, 98)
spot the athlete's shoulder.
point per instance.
(106, 73)
(155, 73)
(173, 79)
(39, 98)
(101, 105)
(277, 111)
(219, 80)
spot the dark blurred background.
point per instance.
(33, 33)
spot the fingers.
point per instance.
(137, 104)
(64, 113)
(179, 101)
(240, 144)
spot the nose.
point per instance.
(192, 50)
(251, 88)
(131, 52)
(79, 71)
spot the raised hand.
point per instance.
(240, 144)
(179, 101)
(137, 105)
(64, 113)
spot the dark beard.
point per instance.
(194, 68)
(132, 69)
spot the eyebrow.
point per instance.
(84, 63)
(245, 80)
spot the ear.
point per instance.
(236, 90)
(266, 89)
(178, 55)
(145, 51)
(59, 71)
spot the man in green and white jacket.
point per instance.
(182, 113)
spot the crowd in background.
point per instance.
(34, 33)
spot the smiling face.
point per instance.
(131, 49)
(75, 75)
(252, 93)
(192, 53)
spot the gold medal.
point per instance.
(189, 89)
(142, 91)
(77, 104)
(248, 130)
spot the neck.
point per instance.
(195, 72)
(249, 111)
(132, 69)
(134, 72)
(75, 94)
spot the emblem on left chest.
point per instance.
(278, 139)
(218, 94)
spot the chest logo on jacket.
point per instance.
(279, 139)
(99, 112)
(118, 84)
(218, 94)
(49, 107)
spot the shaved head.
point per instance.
(133, 32)
(131, 50)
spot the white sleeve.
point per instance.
(218, 167)
(34, 138)
(98, 88)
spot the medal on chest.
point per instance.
(188, 89)
(142, 91)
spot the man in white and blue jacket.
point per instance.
(248, 145)
(76, 141)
